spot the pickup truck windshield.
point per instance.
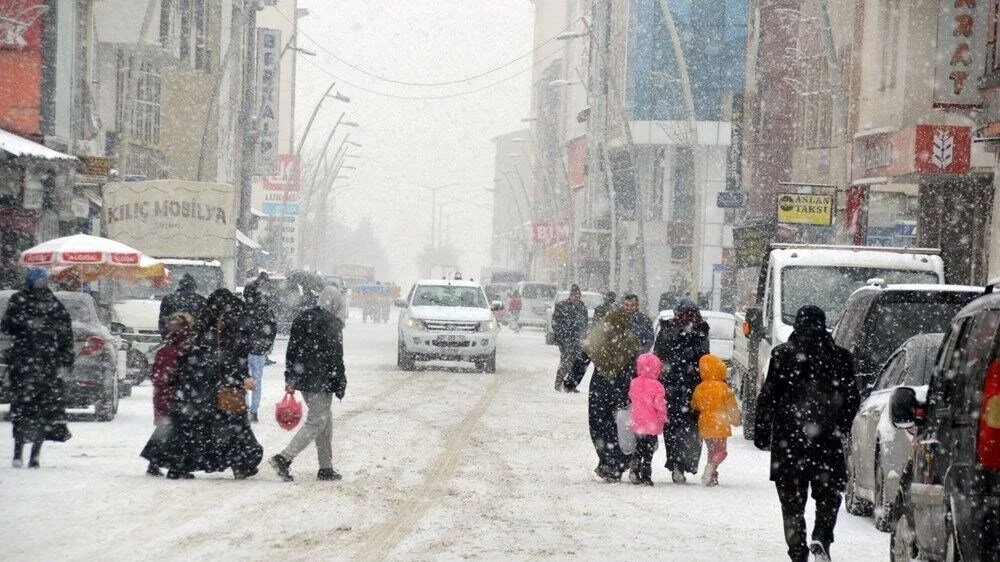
(829, 287)
(446, 295)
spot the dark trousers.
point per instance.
(792, 495)
(645, 446)
(576, 367)
(606, 396)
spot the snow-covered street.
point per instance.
(443, 463)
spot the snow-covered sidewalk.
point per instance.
(442, 463)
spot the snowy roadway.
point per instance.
(444, 464)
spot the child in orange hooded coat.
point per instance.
(717, 411)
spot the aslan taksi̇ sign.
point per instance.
(800, 208)
(268, 69)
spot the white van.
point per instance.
(535, 301)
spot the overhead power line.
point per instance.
(323, 48)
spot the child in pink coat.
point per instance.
(649, 414)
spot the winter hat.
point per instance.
(610, 297)
(712, 368)
(685, 303)
(648, 365)
(188, 283)
(37, 277)
(574, 289)
(332, 300)
(810, 318)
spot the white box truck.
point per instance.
(792, 276)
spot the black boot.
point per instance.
(36, 451)
(244, 474)
(281, 465)
(178, 475)
(328, 474)
(153, 470)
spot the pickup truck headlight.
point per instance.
(488, 325)
(415, 323)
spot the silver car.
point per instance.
(878, 451)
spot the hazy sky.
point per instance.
(429, 141)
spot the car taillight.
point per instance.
(94, 345)
(988, 447)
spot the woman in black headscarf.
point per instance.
(679, 345)
(208, 425)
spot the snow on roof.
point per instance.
(247, 241)
(17, 146)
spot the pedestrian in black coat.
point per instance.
(610, 302)
(314, 365)
(641, 324)
(569, 326)
(679, 345)
(209, 429)
(804, 412)
(185, 299)
(42, 350)
(263, 329)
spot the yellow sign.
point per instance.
(799, 208)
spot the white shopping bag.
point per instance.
(626, 439)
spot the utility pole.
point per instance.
(694, 272)
(248, 123)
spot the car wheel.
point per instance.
(852, 503)
(107, 405)
(487, 363)
(404, 360)
(951, 553)
(882, 509)
(124, 389)
(550, 338)
(137, 367)
(902, 547)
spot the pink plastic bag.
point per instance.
(288, 412)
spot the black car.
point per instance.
(948, 507)
(878, 318)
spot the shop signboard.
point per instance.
(801, 208)
(916, 149)
(268, 88)
(961, 50)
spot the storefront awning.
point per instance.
(247, 241)
(19, 147)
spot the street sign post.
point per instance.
(731, 199)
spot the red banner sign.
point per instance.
(943, 150)
(552, 232)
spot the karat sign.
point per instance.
(961, 46)
(800, 208)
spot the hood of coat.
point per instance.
(648, 366)
(332, 300)
(712, 368)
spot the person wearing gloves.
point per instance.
(717, 411)
(314, 365)
(649, 414)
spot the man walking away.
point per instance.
(263, 329)
(805, 409)
(569, 326)
(186, 300)
(610, 298)
(42, 351)
(314, 364)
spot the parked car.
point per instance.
(99, 367)
(447, 320)
(878, 318)
(948, 504)
(535, 301)
(721, 331)
(590, 299)
(878, 451)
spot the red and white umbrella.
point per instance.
(89, 258)
(80, 249)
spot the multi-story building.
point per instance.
(513, 245)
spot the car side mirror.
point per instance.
(400, 303)
(903, 407)
(754, 321)
(117, 328)
(496, 306)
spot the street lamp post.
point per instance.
(434, 190)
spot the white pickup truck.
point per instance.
(793, 276)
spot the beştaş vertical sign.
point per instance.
(961, 45)
(268, 69)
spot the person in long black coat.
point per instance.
(314, 366)
(679, 345)
(186, 299)
(263, 329)
(804, 411)
(42, 349)
(208, 428)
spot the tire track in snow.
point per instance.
(384, 537)
(368, 405)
